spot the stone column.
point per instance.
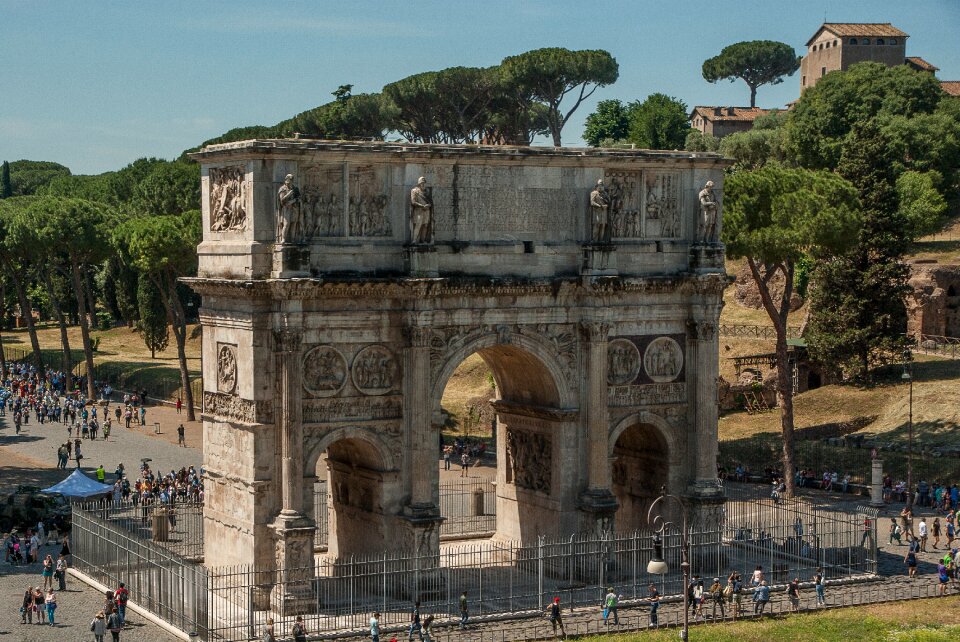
(876, 485)
(418, 420)
(702, 367)
(598, 501)
(294, 531)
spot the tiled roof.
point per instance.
(739, 113)
(844, 29)
(952, 87)
(919, 63)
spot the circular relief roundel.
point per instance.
(324, 371)
(375, 370)
(623, 362)
(663, 360)
(227, 369)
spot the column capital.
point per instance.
(287, 340)
(700, 330)
(594, 331)
(419, 336)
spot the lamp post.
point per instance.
(657, 565)
(908, 377)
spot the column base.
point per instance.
(292, 594)
(290, 260)
(706, 257)
(422, 534)
(598, 509)
(705, 499)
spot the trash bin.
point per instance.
(161, 526)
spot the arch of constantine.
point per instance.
(343, 283)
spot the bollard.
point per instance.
(156, 427)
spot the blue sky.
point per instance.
(96, 84)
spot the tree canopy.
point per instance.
(28, 176)
(552, 73)
(610, 122)
(659, 122)
(755, 62)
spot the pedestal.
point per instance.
(599, 260)
(291, 261)
(292, 593)
(706, 257)
(599, 508)
(425, 581)
(876, 483)
(422, 261)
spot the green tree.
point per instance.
(659, 122)
(163, 249)
(352, 116)
(697, 141)
(168, 188)
(858, 315)
(827, 112)
(921, 206)
(16, 263)
(76, 227)
(611, 121)
(755, 148)
(152, 325)
(553, 73)
(28, 176)
(756, 62)
(6, 187)
(928, 142)
(774, 217)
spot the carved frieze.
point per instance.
(623, 362)
(324, 371)
(530, 460)
(662, 204)
(625, 203)
(322, 200)
(228, 199)
(226, 368)
(319, 411)
(369, 214)
(233, 408)
(663, 360)
(647, 394)
(375, 370)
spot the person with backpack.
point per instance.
(463, 610)
(556, 618)
(716, 593)
(299, 630)
(121, 595)
(98, 627)
(895, 532)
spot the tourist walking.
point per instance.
(556, 618)
(39, 605)
(761, 596)
(653, 596)
(268, 634)
(793, 592)
(181, 436)
(427, 629)
(299, 630)
(61, 572)
(47, 573)
(114, 625)
(375, 627)
(51, 604)
(98, 627)
(414, 621)
(716, 594)
(936, 532)
(464, 463)
(463, 610)
(819, 588)
(757, 578)
(895, 532)
(943, 577)
(922, 532)
(121, 596)
(911, 561)
(26, 607)
(610, 605)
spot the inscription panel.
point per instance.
(319, 411)
(647, 394)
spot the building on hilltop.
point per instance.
(838, 45)
(722, 121)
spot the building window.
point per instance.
(879, 41)
(865, 41)
(823, 71)
(804, 82)
(853, 41)
(893, 41)
(835, 43)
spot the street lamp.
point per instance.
(657, 565)
(908, 377)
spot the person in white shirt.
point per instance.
(922, 532)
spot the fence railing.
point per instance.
(936, 345)
(182, 534)
(747, 331)
(168, 585)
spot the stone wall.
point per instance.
(933, 306)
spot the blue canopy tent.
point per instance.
(78, 485)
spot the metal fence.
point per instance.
(936, 345)
(182, 534)
(168, 585)
(112, 545)
(746, 331)
(469, 507)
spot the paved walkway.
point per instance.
(76, 607)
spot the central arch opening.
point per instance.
(503, 407)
